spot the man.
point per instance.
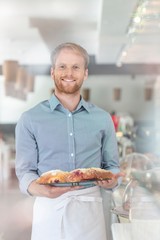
(66, 133)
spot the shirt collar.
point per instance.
(54, 103)
(84, 104)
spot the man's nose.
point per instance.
(68, 71)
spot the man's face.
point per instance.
(69, 72)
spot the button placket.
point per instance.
(71, 140)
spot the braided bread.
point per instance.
(77, 175)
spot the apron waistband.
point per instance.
(69, 199)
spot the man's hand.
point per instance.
(111, 183)
(36, 189)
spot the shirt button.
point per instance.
(72, 154)
(69, 115)
(71, 134)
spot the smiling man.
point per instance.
(69, 72)
(66, 133)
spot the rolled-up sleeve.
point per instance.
(26, 153)
(110, 156)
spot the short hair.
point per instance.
(75, 47)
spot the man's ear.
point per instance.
(52, 72)
(86, 74)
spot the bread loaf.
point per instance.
(53, 176)
(77, 175)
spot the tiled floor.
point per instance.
(15, 212)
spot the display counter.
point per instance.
(139, 230)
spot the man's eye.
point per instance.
(61, 66)
(76, 67)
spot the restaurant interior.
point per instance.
(122, 38)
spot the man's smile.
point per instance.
(68, 80)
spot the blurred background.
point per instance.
(122, 38)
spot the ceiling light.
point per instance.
(144, 10)
(137, 19)
(124, 54)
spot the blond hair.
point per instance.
(73, 46)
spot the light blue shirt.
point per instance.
(48, 137)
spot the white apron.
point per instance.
(73, 216)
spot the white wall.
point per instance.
(132, 100)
